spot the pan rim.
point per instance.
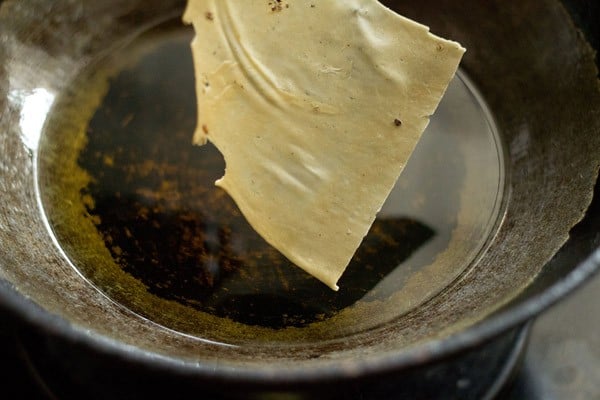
(412, 357)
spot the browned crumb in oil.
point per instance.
(277, 5)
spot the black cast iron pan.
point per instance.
(76, 82)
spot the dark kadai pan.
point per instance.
(126, 273)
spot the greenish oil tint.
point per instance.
(133, 205)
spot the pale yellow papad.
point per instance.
(316, 107)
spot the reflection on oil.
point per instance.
(35, 105)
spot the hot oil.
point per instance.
(133, 205)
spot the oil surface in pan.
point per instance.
(132, 203)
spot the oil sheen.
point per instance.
(132, 203)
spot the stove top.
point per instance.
(562, 360)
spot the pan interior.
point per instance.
(132, 204)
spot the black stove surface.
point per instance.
(563, 357)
